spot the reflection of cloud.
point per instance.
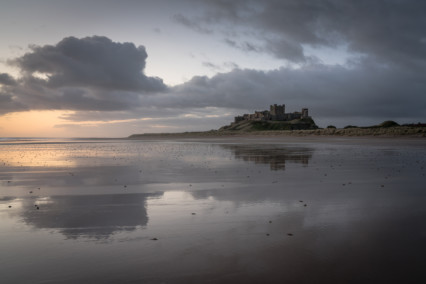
(7, 198)
(93, 216)
(273, 155)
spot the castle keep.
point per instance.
(275, 112)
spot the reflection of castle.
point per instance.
(269, 154)
(276, 112)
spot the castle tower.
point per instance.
(277, 110)
(305, 113)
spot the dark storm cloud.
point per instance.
(286, 49)
(6, 79)
(92, 61)
(390, 29)
(8, 104)
(90, 74)
(5, 98)
(365, 90)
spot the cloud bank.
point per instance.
(389, 30)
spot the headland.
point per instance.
(276, 122)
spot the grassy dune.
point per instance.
(396, 131)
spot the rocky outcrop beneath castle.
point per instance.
(261, 125)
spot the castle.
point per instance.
(276, 112)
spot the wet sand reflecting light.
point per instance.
(339, 211)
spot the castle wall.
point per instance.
(276, 112)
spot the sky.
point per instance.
(108, 68)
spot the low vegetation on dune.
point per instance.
(258, 128)
(367, 131)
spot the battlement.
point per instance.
(275, 113)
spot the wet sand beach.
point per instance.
(213, 210)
